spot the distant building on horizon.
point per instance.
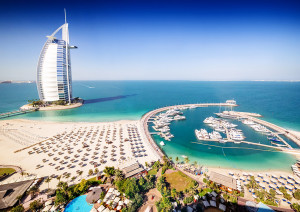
(54, 76)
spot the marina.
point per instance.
(227, 136)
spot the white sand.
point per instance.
(65, 137)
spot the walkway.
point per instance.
(152, 196)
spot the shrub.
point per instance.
(296, 207)
(297, 194)
(18, 208)
(163, 170)
(36, 205)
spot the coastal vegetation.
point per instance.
(18, 208)
(296, 207)
(297, 194)
(36, 205)
(39, 103)
(65, 193)
(262, 195)
(6, 171)
(35, 102)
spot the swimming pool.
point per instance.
(79, 204)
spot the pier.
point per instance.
(17, 112)
(279, 130)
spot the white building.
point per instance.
(54, 78)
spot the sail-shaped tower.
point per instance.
(54, 77)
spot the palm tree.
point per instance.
(80, 174)
(165, 159)
(119, 174)
(68, 175)
(48, 180)
(33, 190)
(176, 159)
(186, 160)
(195, 163)
(252, 183)
(146, 164)
(59, 177)
(109, 171)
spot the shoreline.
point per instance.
(48, 129)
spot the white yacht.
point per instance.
(202, 134)
(209, 120)
(236, 134)
(248, 122)
(178, 117)
(162, 143)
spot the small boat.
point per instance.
(162, 143)
(273, 139)
(184, 156)
(222, 141)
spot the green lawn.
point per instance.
(179, 181)
(152, 172)
(6, 170)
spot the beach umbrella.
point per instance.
(273, 181)
(274, 176)
(290, 182)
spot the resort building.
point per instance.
(54, 78)
(225, 182)
(134, 170)
(10, 192)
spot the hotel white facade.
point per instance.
(54, 78)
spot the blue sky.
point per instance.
(157, 40)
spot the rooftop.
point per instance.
(223, 179)
(9, 193)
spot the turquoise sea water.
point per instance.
(278, 102)
(79, 204)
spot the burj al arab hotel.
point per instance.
(54, 76)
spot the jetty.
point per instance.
(278, 130)
(17, 112)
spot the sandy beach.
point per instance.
(64, 148)
(67, 148)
